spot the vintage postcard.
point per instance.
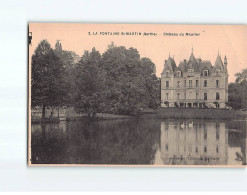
(137, 95)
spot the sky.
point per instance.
(207, 41)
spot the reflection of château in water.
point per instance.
(202, 143)
(194, 83)
(194, 144)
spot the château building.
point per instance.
(194, 83)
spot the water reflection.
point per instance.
(194, 144)
(96, 142)
(169, 142)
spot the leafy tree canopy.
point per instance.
(238, 91)
(118, 81)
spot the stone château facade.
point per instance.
(194, 83)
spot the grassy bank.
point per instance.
(160, 113)
(199, 113)
(99, 116)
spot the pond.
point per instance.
(140, 142)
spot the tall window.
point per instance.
(178, 84)
(197, 83)
(166, 147)
(217, 134)
(217, 83)
(184, 83)
(196, 95)
(167, 73)
(167, 84)
(184, 95)
(179, 73)
(205, 73)
(205, 134)
(205, 83)
(167, 96)
(190, 83)
(178, 94)
(205, 96)
(217, 96)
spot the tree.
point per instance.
(117, 82)
(241, 76)
(131, 81)
(89, 82)
(152, 83)
(46, 78)
(68, 60)
(238, 91)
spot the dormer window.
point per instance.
(205, 73)
(217, 71)
(167, 73)
(179, 73)
(190, 71)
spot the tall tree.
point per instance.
(151, 83)
(46, 78)
(238, 91)
(68, 60)
(89, 82)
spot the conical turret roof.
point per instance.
(192, 63)
(218, 63)
(170, 65)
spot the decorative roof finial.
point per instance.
(169, 54)
(192, 49)
(218, 53)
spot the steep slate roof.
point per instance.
(181, 66)
(205, 65)
(192, 63)
(218, 64)
(196, 63)
(170, 65)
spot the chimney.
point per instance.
(225, 63)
